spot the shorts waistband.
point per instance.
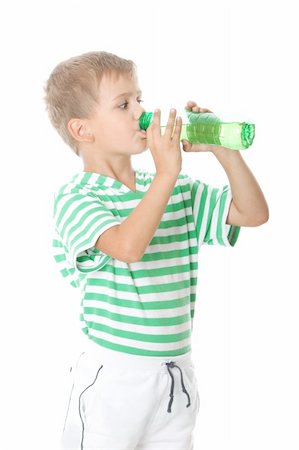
(118, 359)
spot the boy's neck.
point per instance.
(122, 172)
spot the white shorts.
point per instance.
(127, 402)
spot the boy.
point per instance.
(129, 240)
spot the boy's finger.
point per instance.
(155, 125)
(178, 128)
(170, 123)
(186, 145)
(191, 103)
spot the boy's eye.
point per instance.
(125, 104)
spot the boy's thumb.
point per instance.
(186, 145)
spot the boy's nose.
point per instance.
(138, 111)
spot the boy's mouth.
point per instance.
(142, 133)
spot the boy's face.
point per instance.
(115, 122)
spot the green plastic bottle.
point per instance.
(207, 128)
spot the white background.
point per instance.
(234, 57)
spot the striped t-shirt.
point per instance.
(146, 307)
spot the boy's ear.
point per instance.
(80, 131)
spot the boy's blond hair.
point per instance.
(72, 90)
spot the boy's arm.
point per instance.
(249, 207)
(127, 242)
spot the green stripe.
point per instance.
(90, 258)
(65, 272)
(201, 208)
(103, 260)
(66, 206)
(149, 289)
(183, 221)
(169, 254)
(161, 304)
(83, 245)
(153, 322)
(129, 196)
(57, 244)
(86, 178)
(97, 210)
(150, 273)
(173, 238)
(60, 258)
(137, 351)
(193, 281)
(170, 208)
(233, 235)
(219, 229)
(212, 203)
(86, 231)
(158, 338)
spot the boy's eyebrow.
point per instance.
(127, 94)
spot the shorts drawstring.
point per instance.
(170, 365)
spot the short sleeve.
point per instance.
(79, 221)
(210, 208)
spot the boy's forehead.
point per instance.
(112, 86)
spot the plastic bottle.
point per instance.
(207, 128)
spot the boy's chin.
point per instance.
(140, 150)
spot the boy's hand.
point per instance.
(187, 146)
(165, 148)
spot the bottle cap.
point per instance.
(145, 120)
